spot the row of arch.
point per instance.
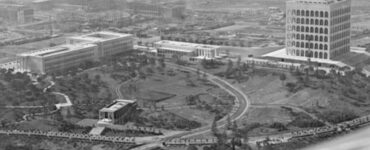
(310, 29)
(340, 11)
(308, 13)
(341, 19)
(305, 53)
(340, 43)
(318, 22)
(342, 35)
(310, 37)
(341, 27)
(310, 45)
(340, 51)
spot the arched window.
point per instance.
(312, 13)
(316, 46)
(321, 22)
(321, 39)
(325, 39)
(325, 55)
(298, 28)
(320, 55)
(312, 30)
(307, 13)
(307, 29)
(302, 44)
(321, 30)
(316, 55)
(317, 22)
(321, 47)
(326, 47)
(321, 14)
(302, 21)
(326, 31)
(298, 13)
(302, 53)
(316, 30)
(297, 44)
(316, 38)
(326, 14)
(316, 13)
(311, 45)
(302, 36)
(326, 22)
(312, 21)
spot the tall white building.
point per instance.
(318, 28)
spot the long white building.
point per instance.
(189, 50)
(109, 43)
(318, 28)
(57, 58)
(79, 49)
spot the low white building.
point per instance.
(189, 51)
(116, 113)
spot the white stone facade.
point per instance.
(318, 28)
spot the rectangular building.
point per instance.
(318, 29)
(188, 50)
(15, 13)
(157, 10)
(57, 58)
(117, 112)
(109, 43)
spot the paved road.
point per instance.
(239, 110)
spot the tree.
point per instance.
(192, 147)
(214, 127)
(283, 78)
(229, 124)
(229, 68)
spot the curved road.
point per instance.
(239, 110)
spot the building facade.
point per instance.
(157, 10)
(79, 49)
(189, 51)
(318, 28)
(117, 112)
(57, 58)
(109, 43)
(15, 13)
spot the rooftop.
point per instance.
(282, 54)
(100, 36)
(318, 1)
(185, 44)
(56, 50)
(118, 104)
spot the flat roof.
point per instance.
(56, 50)
(100, 36)
(318, 1)
(186, 44)
(118, 104)
(282, 54)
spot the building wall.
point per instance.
(323, 29)
(16, 14)
(116, 46)
(53, 63)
